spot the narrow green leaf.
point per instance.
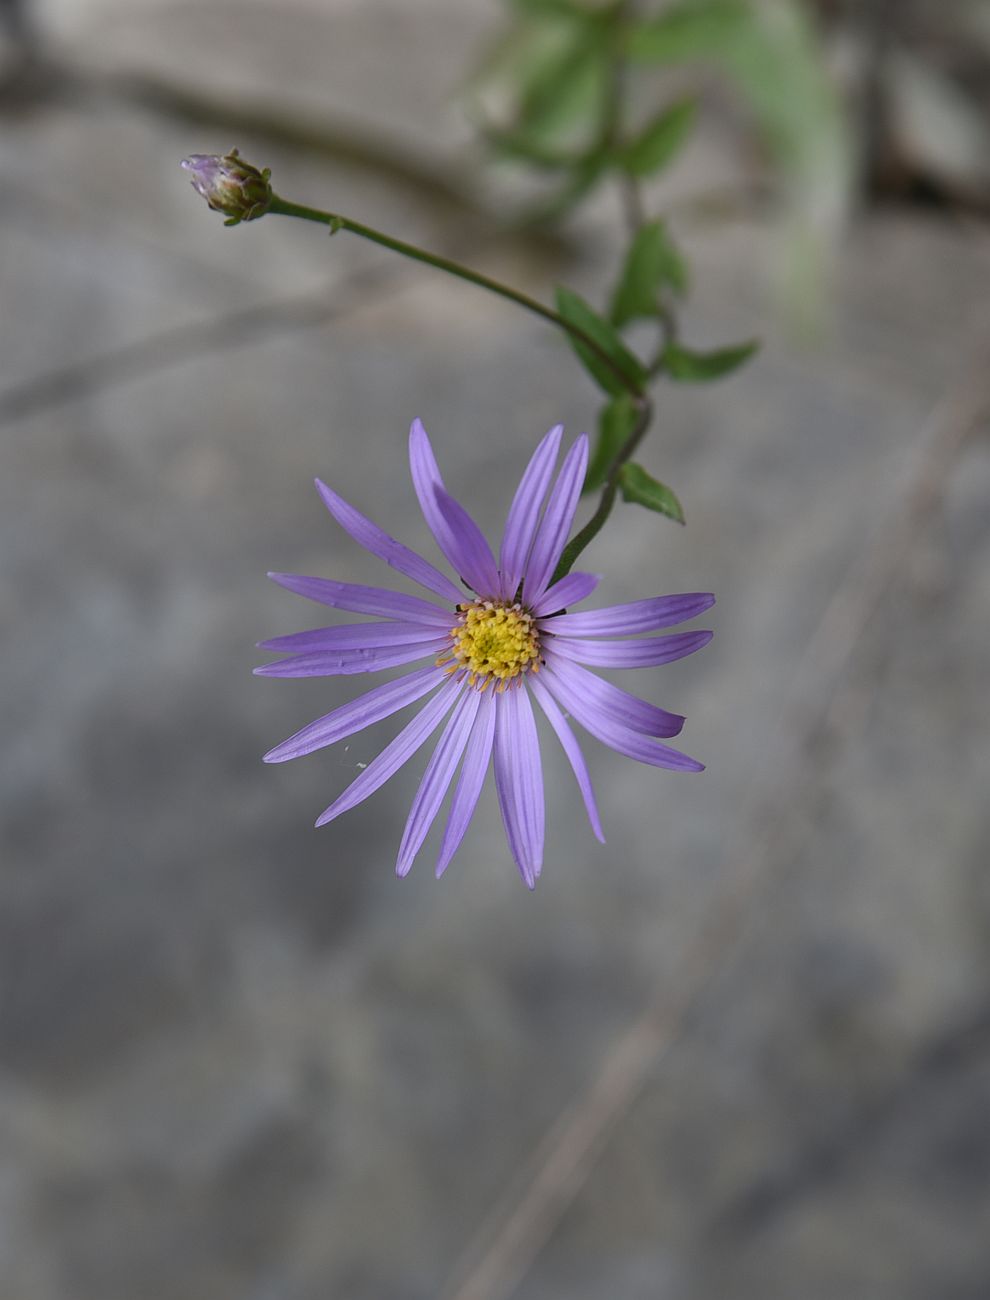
(576, 311)
(651, 263)
(615, 424)
(692, 30)
(644, 490)
(569, 87)
(519, 147)
(699, 367)
(660, 140)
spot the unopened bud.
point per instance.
(230, 185)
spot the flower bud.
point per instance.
(230, 185)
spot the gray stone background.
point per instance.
(740, 1051)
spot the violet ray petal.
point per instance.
(570, 590)
(471, 555)
(613, 733)
(572, 749)
(411, 738)
(646, 653)
(637, 616)
(639, 715)
(551, 536)
(373, 539)
(350, 636)
(371, 707)
(436, 779)
(524, 513)
(343, 663)
(470, 783)
(519, 781)
(426, 479)
(358, 599)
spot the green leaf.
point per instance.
(692, 30)
(644, 490)
(651, 263)
(615, 424)
(771, 53)
(519, 147)
(699, 367)
(568, 87)
(576, 312)
(660, 140)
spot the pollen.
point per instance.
(494, 643)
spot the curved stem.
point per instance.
(644, 414)
(337, 222)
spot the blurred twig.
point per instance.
(520, 1226)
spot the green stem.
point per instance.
(336, 221)
(606, 501)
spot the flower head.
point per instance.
(504, 639)
(230, 185)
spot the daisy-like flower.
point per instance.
(507, 639)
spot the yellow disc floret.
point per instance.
(494, 642)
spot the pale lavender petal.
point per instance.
(519, 781)
(614, 733)
(556, 524)
(628, 709)
(637, 616)
(524, 513)
(373, 539)
(365, 600)
(456, 533)
(350, 636)
(646, 653)
(570, 590)
(572, 749)
(471, 555)
(343, 663)
(426, 479)
(436, 779)
(469, 784)
(411, 738)
(360, 713)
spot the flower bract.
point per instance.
(230, 185)
(506, 637)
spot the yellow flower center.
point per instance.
(494, 642)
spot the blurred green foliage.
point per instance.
(570, 91)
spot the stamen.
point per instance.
(495, 642)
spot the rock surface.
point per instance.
(240, 1059)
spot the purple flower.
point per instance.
(494, 648)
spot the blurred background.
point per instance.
(744, 1048)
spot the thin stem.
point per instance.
(644, 414)
(337, 222)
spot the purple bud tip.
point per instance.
(230, 185)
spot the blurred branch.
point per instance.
(523, 1221)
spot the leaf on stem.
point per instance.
(660, 140)
(615, 423)
(644, 490)
(567, 88)
(691, 367)
(651, 264)
(575, 311)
